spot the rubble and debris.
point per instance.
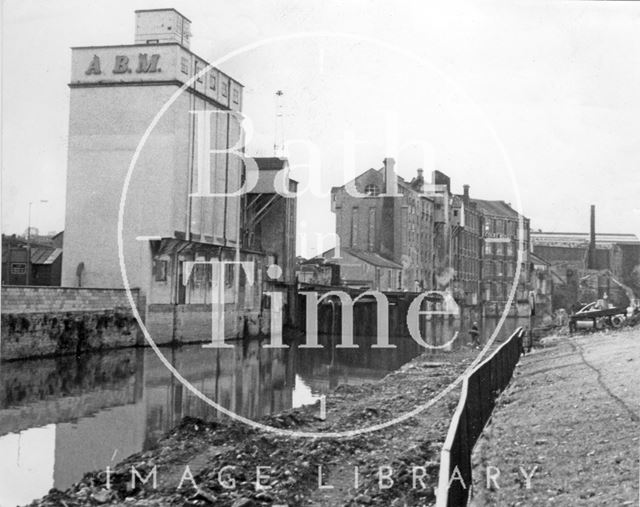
(291, 465)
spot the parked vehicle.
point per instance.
(594, 316)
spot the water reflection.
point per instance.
(62, 417)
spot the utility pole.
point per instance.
(278, 142)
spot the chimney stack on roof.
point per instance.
(389, 172)
(465, 194)
(417, 183)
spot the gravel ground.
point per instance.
(294, 462)
(572, 412)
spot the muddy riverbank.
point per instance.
(220, 463)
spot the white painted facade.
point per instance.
(116, 92)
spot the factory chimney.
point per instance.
(592, 240)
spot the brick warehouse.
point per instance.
(398, 229)
(435, 239)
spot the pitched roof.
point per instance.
(536, 259)
(44, 255)
(372, 258)
(401, 181)
(496, 208)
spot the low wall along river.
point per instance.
(50, 321)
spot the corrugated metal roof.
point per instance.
(44, 255)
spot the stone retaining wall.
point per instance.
(59, 333)
(54, 321)
(22, 299)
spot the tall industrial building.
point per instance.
(502, 240)
(117, 92)
(428, 238)
(386, 242)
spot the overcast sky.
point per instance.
(557, 82)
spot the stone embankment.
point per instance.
(52, 321)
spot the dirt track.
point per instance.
(572, 411)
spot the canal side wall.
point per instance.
(434, 329)
(192, 323)
(51, 321)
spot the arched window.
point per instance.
(372, 190)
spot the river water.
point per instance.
(62, 417)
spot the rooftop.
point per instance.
(372, 258)
(270, 163)
(44, 255)
(580, 238)
(496, 208)
(161, 10)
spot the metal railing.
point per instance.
(480, 389)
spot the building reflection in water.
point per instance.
(98, 409)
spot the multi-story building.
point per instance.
(183, 201)
(467, 239)
(438, 239)
(378, 231)
(501, 244)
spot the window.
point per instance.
(372, 190)
(212, 80)
(372, 230)
(160, 270)
(196, 70)
(354, 227)
(509, 249)
(229, 276)
(18, 268)
(509, 269)
(236, 96)
(184, 65)
(225, 89)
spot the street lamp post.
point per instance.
(29, 241)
